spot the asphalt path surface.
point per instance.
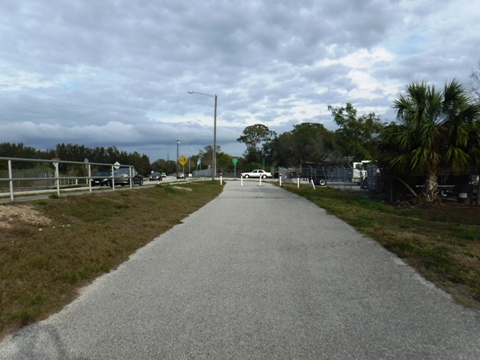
(258, 273)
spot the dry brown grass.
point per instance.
(49, 249)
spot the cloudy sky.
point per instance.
(118, 72)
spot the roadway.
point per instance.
(257, 273)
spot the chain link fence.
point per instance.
(461, 187)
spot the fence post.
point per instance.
(57, 177)
(10, 176)
(89, 177)
(113, 177)
(130, 172)
(338, 176)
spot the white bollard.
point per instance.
(298, 181)
(260, 179)
(221, 179)
(313, 184)
(280, 179)
(241, 180)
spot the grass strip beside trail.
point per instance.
(442, 243)
(44, 262)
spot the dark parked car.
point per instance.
(122, 177)
(180, 175)
(101, 178)
(155, 176)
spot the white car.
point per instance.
(257, 173)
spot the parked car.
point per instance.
(257, 173)
(122, 177)
(164, 175)
(155, 176)
(101, 178)
(180, 175)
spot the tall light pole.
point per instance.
(189, 158)
(178, 156)
(214, 159)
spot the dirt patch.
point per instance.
(9, 215)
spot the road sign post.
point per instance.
(235, 161)
(182, 160)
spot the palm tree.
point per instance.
(434, 129)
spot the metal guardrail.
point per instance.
(52, 181)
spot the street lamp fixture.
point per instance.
(214, 160)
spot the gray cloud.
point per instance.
(104, 73)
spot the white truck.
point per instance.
(359, 173)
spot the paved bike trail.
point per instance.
(258, 273)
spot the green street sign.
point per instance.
(235, 161)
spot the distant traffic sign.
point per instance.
(182, 160)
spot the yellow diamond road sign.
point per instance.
(182, 160)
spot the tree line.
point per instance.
(109, 155)
(310, 142)
(434, 129)
(73, 152)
